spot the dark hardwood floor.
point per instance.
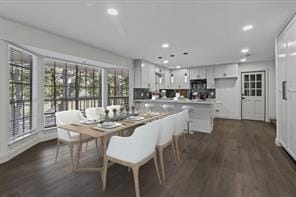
(238, 159)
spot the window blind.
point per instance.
(20, 93)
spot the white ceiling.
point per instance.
(209, 30)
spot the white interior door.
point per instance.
(253, 96)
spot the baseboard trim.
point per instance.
(19, 148)
(227, 117)
(277, 142)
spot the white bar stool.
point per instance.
(190, 109)
(168, 108)
(148, 107)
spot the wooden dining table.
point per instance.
(103, 134)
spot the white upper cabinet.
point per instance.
(226, 71)
(198, 73)
(181, 79)
(145, 75)
(210, 77)
(167, 79)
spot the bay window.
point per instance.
(69, 86)
(118, 87)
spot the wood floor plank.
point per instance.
(238, 159)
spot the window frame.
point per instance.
(78, 102)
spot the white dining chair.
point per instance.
(180, 126)
(67, 137)
(190, 109)
(133, 151)
(148, 107)
(111, 107)
(94, 113)
(165, 139)
(168, 108)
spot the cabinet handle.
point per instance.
(225, 74)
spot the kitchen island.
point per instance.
(201, 113)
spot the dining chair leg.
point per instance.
(136, 180)
(71, 155)
(104, 174)
(160, 153)
(177, 147)
(57, 151)
(174, 151)
(156, 167)
(78, 153)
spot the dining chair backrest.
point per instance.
(187, 107)
(181, 121)
(144, 141)
(167, 129)
(111, 107)
(67, 117)
(94, 113)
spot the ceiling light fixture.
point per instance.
(248, 27)
(112, 11)
(165, 61)
(245, 50)
(243, 60)
(178, 67)
(165, 45)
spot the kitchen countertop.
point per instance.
(195, 101)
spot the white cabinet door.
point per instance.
(137, 75)
(180, 81)
(151, 77)
(144, 75)
(226, 71)
(198, 73)
(167, 78)
(210, 77)
(282, 103)
(291, 87)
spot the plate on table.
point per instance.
(88, 122)
(109, 125)
(135, 118)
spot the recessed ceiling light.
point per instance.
(142, 65)
(165, 61)
(178, 67)
(245, 50)
(112, 11)
(243, 60)
(247, 27)
(165, 45)
(185, 53)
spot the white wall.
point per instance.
(228, 91)
(27, 36)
